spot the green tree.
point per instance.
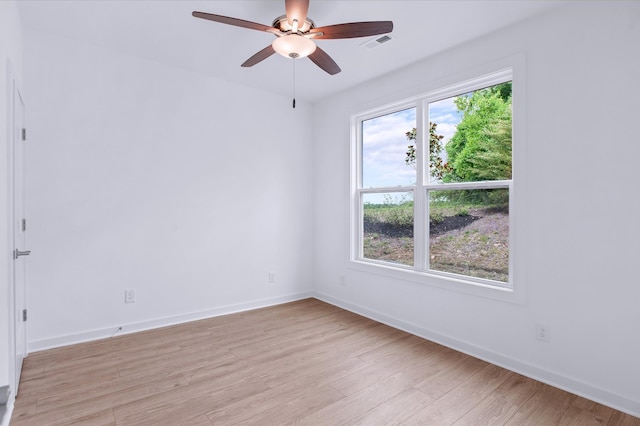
(481, 147)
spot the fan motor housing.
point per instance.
(281, 23)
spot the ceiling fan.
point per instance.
(295, 33)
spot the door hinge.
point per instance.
(24, 225)
(24, 315)
(24, 134)
(17, 253)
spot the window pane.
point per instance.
(388, 227)
(384, 150)
(469, 233)
(470, 136)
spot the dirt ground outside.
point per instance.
(476, 244)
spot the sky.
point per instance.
(384, 143)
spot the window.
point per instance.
(433, 182)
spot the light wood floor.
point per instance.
(305, 362)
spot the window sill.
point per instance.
(511, 295)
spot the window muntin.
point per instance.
(474, 197)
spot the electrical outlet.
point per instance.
(272, 277)
(342, 281)
(543, 333)
(129, 296)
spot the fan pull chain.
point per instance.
(294, 83)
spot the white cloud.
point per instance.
(384, 149)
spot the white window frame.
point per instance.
(513, 290)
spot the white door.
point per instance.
(19, 236)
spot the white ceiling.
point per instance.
(164, 31)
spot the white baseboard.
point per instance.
(71, 339)
(4, 421)
(568, 384)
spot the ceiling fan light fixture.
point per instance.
(294, 46)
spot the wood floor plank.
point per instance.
(67, 413)
(256, 404)
(201, 420)
(101, 418)
(170, 363)
(453, 372)
(350, 343)
(503, 403)
(301, 342)
(493, 410)
(171, 409)
(619, 418)
(585, 412)
(453, 405)
(518, 389)
(402, 346)
(33, 367)
(396, 410)
(111, 394)
(304, 362)
(317, 374)
(547, 406)
(229, 338)
(429, 365)
(69, 379)
(24, 407)
(357, 404)
(304, 404)
(369, 376)
(222, 372)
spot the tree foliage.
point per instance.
(481, 147)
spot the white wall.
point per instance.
(187, 189)
(580, 229)
(10, 53)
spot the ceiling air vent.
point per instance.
(371, 44)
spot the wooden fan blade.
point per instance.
(324, 61)
(296, 9)
(232, 21)
(259, 57)
(353, 30)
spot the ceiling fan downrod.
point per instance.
(294, 83)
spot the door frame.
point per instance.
(15, 103)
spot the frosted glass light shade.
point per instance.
(294, 46)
